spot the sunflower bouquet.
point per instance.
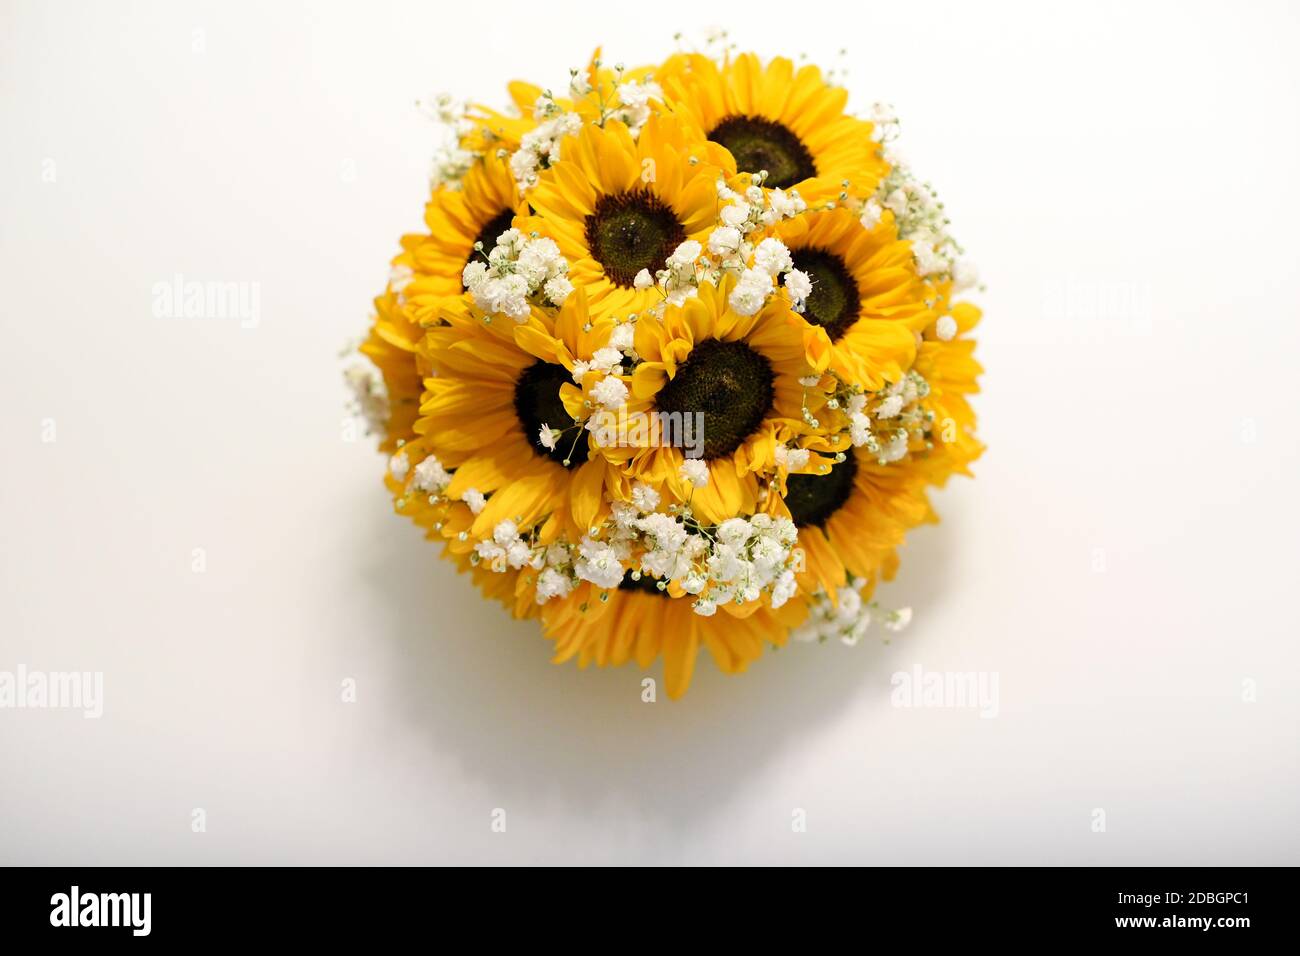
(676, 360)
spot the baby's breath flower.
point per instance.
(518, 268)
(610, 392)
(751, 291)
(430, 476)
(398, 464)
(695, 471)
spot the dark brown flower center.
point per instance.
(632, 231)
(648, 584)
(763, 144)
(833, 303)
(812, 499)
(729, 384)
(537, 403)
(498, 224)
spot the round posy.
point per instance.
(677, 360)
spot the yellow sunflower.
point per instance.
(486, 205)
(390, 345)
(595, 95)
(639, 622)
(443, 519)
(790, 123)
(484, 409)
(952, 372)
(428, 271)
(737, 375)
(867, 301)
(492, 130)
(852, 518)
(617, 205)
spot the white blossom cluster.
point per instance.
(884, 422)
(771, 260)
(450, 165)
(728, 251)
(450, 161)
(758, 266)
(540, 147)
(757, 208)
(885, 126)
(921, 221)
(738, 561)
(696, 471)
(579, 85)
(634, 103)
(608, 393)
(791, 459)
(518, 268)
(430, 476)
(679, 280)
(446, 110)
(399, 277)
(369, 396)
(507, 549)
(847, 617)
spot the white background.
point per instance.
(1124, 174)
